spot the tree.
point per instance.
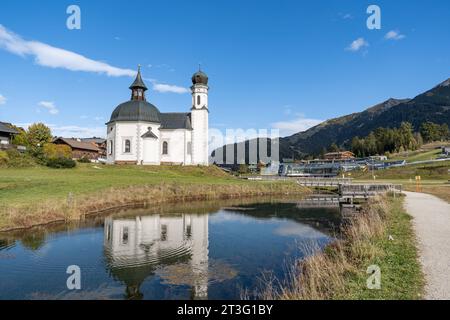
(430, 131)
(419, 139)
(444, 132)
(371, 144)
(19, 139)
(333, 148)
(322, 153)
(38, 134)
(357, 147)
(407, 136)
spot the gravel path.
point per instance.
(432, 226)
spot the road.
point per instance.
(432, 226)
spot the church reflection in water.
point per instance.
(136, 248)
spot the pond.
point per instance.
(208, 250)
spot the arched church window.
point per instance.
(111, 147)
(165, 148)
(198, 100)
(189, 148)
(127, 146)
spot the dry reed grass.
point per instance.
(322, 275)
(73, 208)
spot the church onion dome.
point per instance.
(136, 110)
(200, 78)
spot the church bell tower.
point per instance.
(138, 87)
(199, 118)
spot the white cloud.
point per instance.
(299, 124)
(357, 45)
(72, 131)
(50, 106)
(2, 99)
(346, 16)
(49, 56)
(69, 131)
(163, 88)
(394, 35)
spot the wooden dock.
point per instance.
(348, 193)
(323, 182)
(319, 201)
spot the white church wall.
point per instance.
(133, 131)
(110, 143)
(177, 143)
(151, 151)
(200, 136)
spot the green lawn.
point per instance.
(418, 156)
(26, 185)
(436, 171)
(435, 178)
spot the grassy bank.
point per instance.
(34, 196)
(434, 178)
(441, 191)
(434, 171)
(339, 272)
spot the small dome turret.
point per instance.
(200, 78)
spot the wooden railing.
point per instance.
(367, 190)
(323, 182)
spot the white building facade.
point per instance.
(138, 133)
(136, 248)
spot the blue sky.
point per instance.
(272, 64)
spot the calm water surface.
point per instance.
(196, 251)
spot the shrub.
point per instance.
(61, 163)
(53, 151)
(17, 159)
(84, 160)
(4, 159)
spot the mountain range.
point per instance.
(432, 105)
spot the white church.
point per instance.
(137, 247)
(138, 133)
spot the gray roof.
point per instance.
(77, 144)
(135, 110)
(6, 128)
(176, 120)
(149, 134)
(200, 78)
(94, 139)
(138, 82)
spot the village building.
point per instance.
(99, 142)
(80, 149)
(138, 133)
(6, 134)
(341, 155)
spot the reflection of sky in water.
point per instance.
(157, 256)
